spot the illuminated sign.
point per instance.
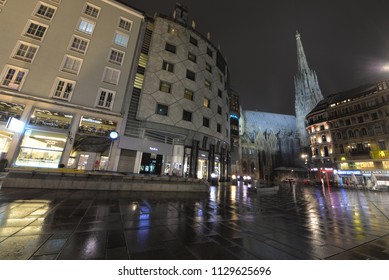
(15, 125)
(153, 149)
(349, 172)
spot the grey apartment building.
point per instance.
(64, 72)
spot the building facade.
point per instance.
(267, 141)
(234, 128)
(178, 115)
(349, 132)
(307, 92)
(64, 72)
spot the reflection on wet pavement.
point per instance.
(227, 223)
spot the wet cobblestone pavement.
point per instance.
(228, 223)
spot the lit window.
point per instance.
(45, 11)
(79, 44)
(207, 102)
(116, 57)
(188, 94)
(63, 89)
(25, 51)
(172, 30)
(105, 99)
(91, 10)
(71, 65)
(125, 24)
(208, 67)
(165, 87)
(35, 30)
(121, 39)
(162, 109)
(13, 77)
(86, 26)
(111, 76)
(208, 84)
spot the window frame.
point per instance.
(99, 99)
(34, 36)
(165, 111)
(110, 80)
(5, 72)
(170, 48)
(206, 122)
(187, 116)
(71, 70)
(84, 31)
(121, 35)
(94, 7)
(188, 93)
(165, 85)
(38, 7)
(189, 75)
(207, 102)
(24, 58)
(62, 95)
(78, 50)
(192, 57)
(126, 20)
(167, 66)
(114, 61)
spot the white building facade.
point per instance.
(64, 71)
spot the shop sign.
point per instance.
(349, 172)
(15, 125)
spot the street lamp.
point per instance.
(113, 135)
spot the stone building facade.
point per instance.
(178, 117)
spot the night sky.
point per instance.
(346, 42)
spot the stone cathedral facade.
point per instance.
(307, 92)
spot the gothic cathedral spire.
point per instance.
(307, 91)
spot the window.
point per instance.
(220, 78)
(105, 99)
(190, 75)
(125, 24)
(219, 110)
(170, 48)
(172, 30)
(207, 103)
(360, 119)
(168, 66)
(209, 52)
(71, 65)
(63, 89)
(208, 84)
(116, 57)
(86, 26)
(193, 40)
(162, 109)
(341, 149)
(219, 128)
(121, 39)
(324, 138)
(205, 122)
(374, 116)
(111, 76)
(208, 67)
(45, 11)
(91, 10)
(192, 57)
(165, 87)
(219, 93)
(13, 77)
(25, 51)
(36, 31)
(351, 134)
(187, 116)
(188, 94)
(363, 131)
(79, 44)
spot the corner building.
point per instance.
(178, 117)
(64, 70)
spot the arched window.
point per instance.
(351, 134)
(324, 138)
(363, 132)
(339, 135)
